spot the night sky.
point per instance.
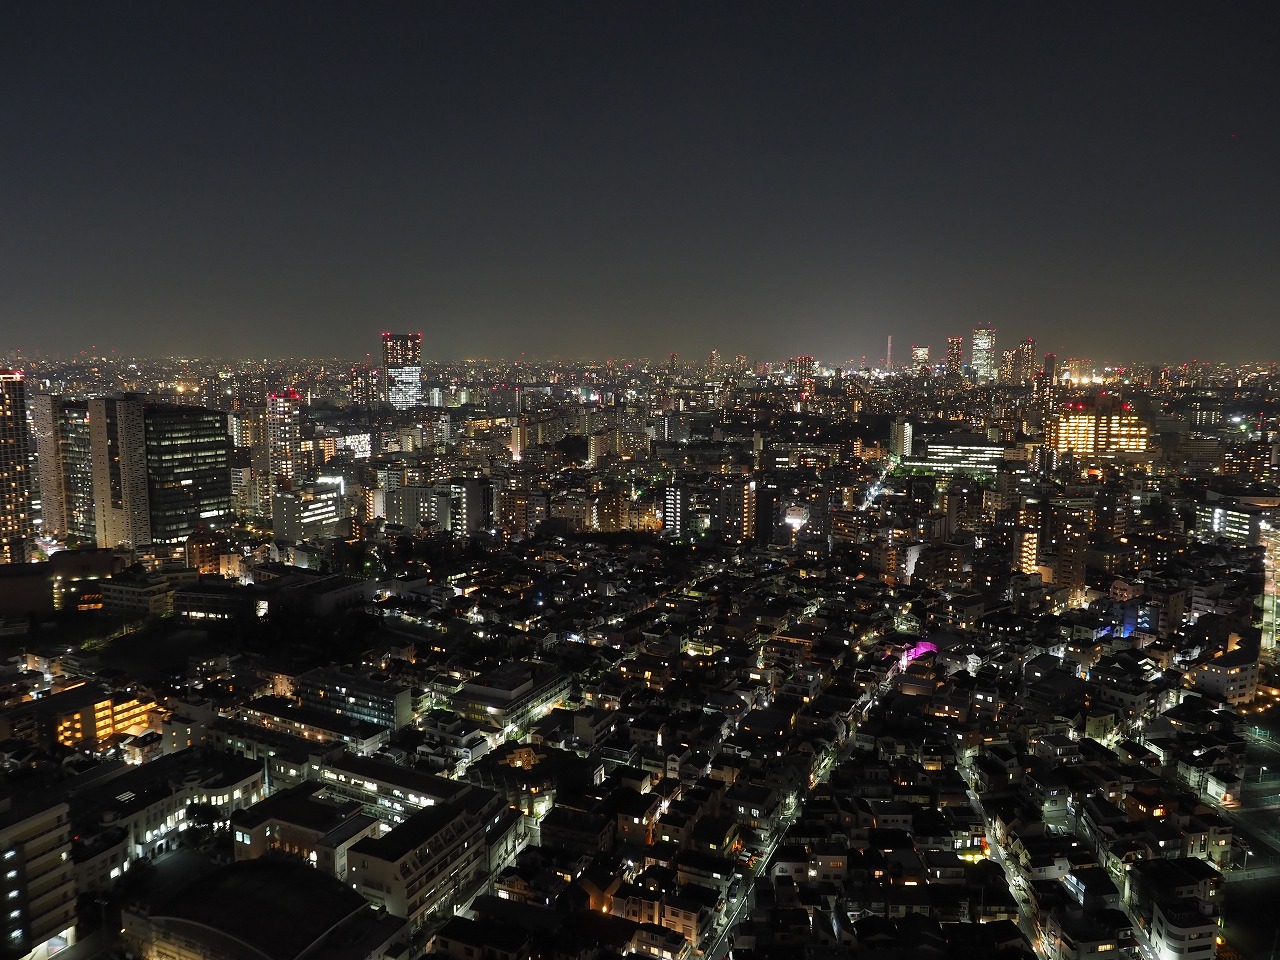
(629, 179)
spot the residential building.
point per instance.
(38, 877)
(17, 528)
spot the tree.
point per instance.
(204, 815)
(574, 447)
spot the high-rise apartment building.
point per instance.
(17, 529)
(402, 369)
(1101, 425)
(983, 359)
(800, 369)
(39, 876)
(734, 509)
(901, 437)
(1006, 372)
(1050, 369)
(1024, 362)
(465, 506)
(676, 511)
(284, 439)
(64, 462)
(519, 437)
(955, 356)
(160, 470)
(1045, 381)
(365, 383)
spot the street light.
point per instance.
(1261, 771)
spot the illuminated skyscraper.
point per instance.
(65, 462)
(117, 435)
(920, 359)
(16, 526)
(188, 470)
(284, 438)
(160, 470)
(1007, 362)
(366, 386)
(1024, 362)
(955, 356)
(983, 358)
(402, 369)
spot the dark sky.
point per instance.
(607, 179)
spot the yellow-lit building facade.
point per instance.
(1103, 425)
(106, 717)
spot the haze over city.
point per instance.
(638, 481)
(605, 180)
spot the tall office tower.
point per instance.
(117, 437)
(955, 356)
(920, 359)
(402, 369)
(160, 470)
(982, 353)
(17, 529)
(188, 470)
(284, 440)
(888, 353)
(1024, 362)
(64, 459)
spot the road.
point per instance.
(719, 947)
(1013, 876)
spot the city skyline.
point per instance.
(583, 182)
